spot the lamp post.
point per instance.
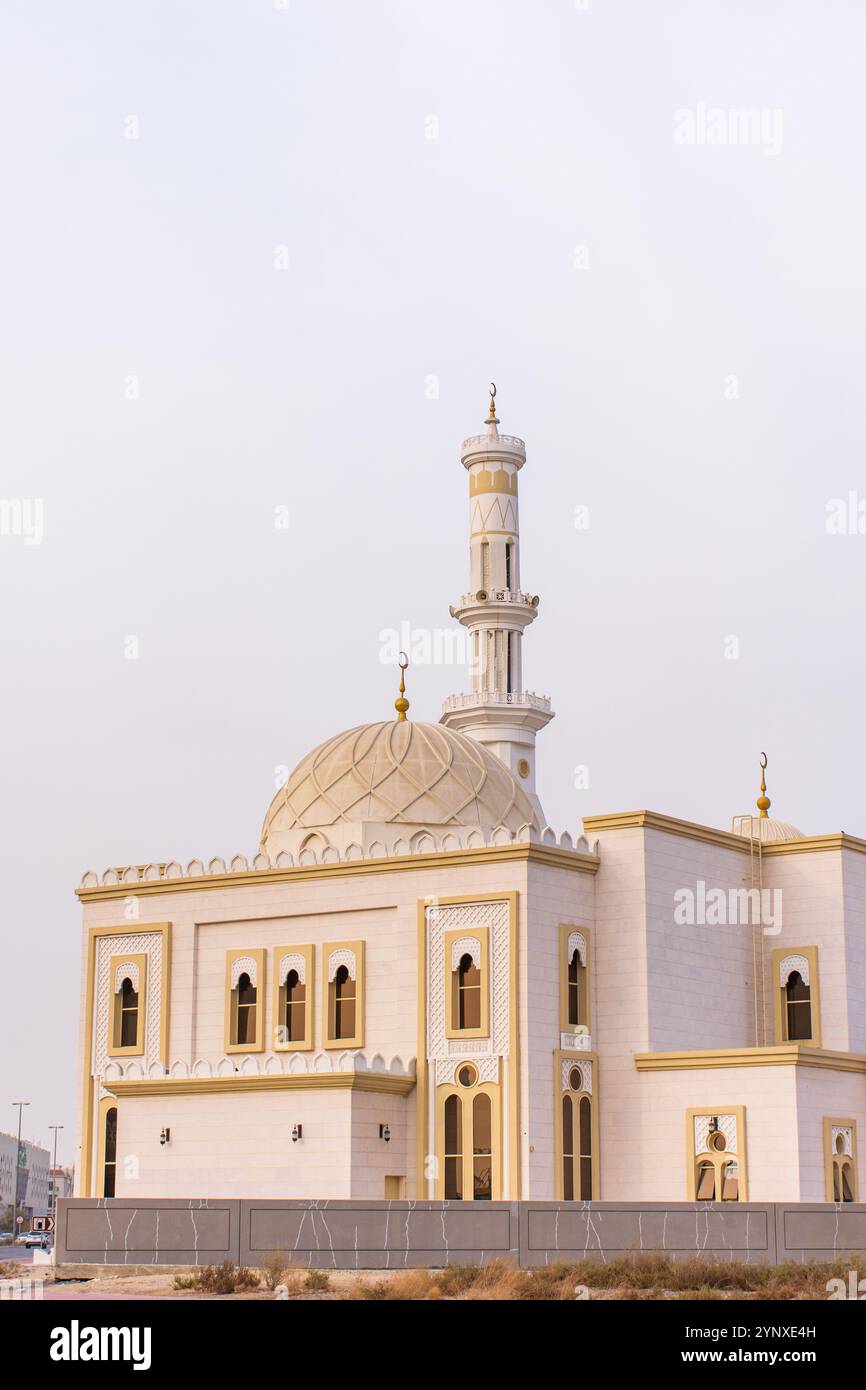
(21, 1104)
(52, 1182)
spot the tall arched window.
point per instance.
(127, 1015)
(798, 1008)
(468, 1138)
(482, 1148)
(245, 1010)
(468, 993)
(454, 1148)
(509, 564)
(344, 1004)
(576, 1144)
(295, 1019)
(485, 566)
(843, 1173)
(576, 990)
(109, 1162)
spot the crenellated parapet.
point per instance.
(319, 852)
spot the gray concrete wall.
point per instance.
(400, 1235)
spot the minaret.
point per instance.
(498, 712)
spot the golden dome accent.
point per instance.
(400, 772)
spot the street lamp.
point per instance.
(21, 1104)
(52, 1182)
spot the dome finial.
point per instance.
(763, 802)
(402, 704)
(491, 416)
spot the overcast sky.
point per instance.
(263, 256)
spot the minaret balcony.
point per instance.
(523, 698)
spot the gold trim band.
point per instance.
(788, 1055)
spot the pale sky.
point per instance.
(675, 328)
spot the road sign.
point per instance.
(42, 1223)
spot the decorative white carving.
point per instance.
(487, 1067)
(847, 1139)
(105, 984)
(575, 1042)
(726, 1123)
(245, 965)
(342, 957)
(466, 946)
(577, 942)
(791, 963)
(127, 971)
(295, 960)
(466, 918)
(585, 1069)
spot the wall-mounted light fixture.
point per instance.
(385, 1133)
(297, 1133)
(165, 1137)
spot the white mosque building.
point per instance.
(416, 988)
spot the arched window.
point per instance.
(453, 1148)
(705, 1190)
(344, 1004)
(576, 990)
(485, 566)
(842, 1185)
(109, 1162)
(482, 1148)
(127, 1015)
(576, 1148)
(344, 994)
(295, 1018)
(468, 994)
(717, 1167)
(128, 1005)
(245, 1010)
(509, 564)
(798, 1008)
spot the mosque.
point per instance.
(416, 988)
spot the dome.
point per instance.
(398, 773)
(764, 829)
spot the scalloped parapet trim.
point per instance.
(426, 842)
(271, 1064)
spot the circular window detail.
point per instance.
(523, 768)
(575, 1079)
(717, 1141)
(467, 1075)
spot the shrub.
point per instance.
(316, 1280)
(226, 1278)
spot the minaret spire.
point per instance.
(498, 711)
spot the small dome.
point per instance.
(399, 772)
(764, 829)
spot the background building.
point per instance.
(24, 1180)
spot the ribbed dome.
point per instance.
(764, 829)
(399, 771)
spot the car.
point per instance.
(34, 1239)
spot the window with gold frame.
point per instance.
(574, 978)
(245, 994)
(343, 999)
(840, 1160)
(797, 995)
(294, 982)
(467, 983)
(127, 1015)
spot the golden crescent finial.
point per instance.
(763, 802)
(402, 704)
(492, 414)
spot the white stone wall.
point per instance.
(554, 897)
(839, 1095)
(699, 977)
(235, 1145)
(854, 888)
(813, 915)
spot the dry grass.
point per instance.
(640, 1278)
(224, 1278)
